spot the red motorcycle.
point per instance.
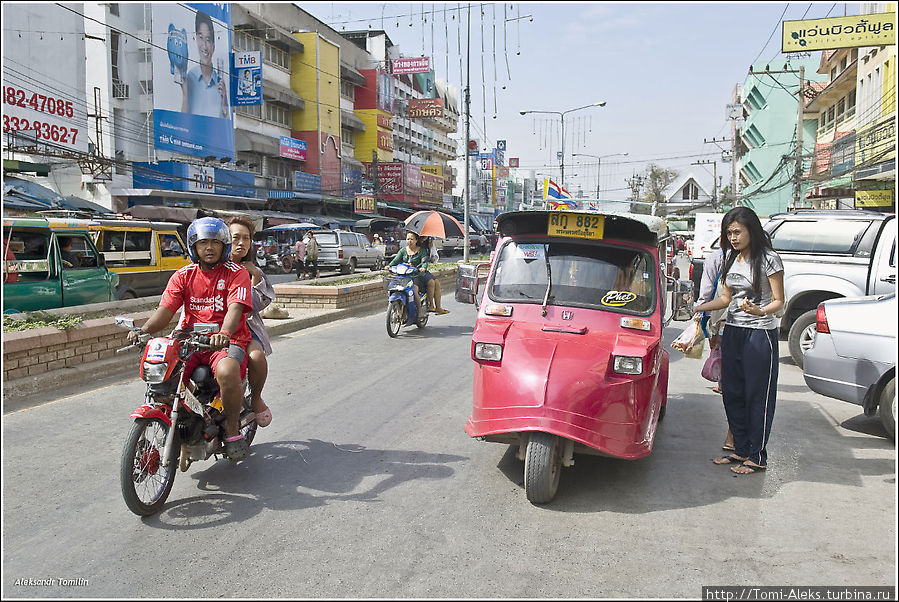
(194, 408)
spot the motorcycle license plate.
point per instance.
(561, 223)
(217, 404)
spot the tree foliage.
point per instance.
(656, 180)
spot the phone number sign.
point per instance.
(44, 116)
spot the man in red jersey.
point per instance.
(212, 290)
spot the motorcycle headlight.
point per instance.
(490, 352)
(154, 373)
(624, 364)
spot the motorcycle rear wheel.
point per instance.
(145, 482)
(395, 319)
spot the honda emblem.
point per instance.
(566, 315)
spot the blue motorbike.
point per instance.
(401, 307)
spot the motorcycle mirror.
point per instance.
(124, 322)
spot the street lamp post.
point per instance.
(562, 115)
(598, 163)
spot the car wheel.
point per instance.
(802, 335)
(887, 408)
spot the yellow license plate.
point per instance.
(217, 404)
(562, 223)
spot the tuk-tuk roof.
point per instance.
(52, 224)
(133, 223)
(647, 229)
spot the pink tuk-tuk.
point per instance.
(568, 338)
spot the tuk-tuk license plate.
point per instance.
(561, 223)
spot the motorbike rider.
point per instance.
(212, 289)
(418, 257)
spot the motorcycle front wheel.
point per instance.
(145, 482)
(395, 319)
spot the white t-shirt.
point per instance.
(739, 281)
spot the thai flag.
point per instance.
(551, 190)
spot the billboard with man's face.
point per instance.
(192, 79)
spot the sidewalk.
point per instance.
(26, 392)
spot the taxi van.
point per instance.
(50, 263)
(144, 254)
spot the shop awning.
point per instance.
(251, 142)
(351, 121)
(285, 96)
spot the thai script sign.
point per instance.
(291, 148)
(364, 203)
(873, 198)
(839, 32)
(876, 143)
(385, 121)
(425, 107)
(307, 182)
(414, 65)
(385, 140)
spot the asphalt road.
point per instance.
(365, 485)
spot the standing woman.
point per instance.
(753, 291)
(244, 253)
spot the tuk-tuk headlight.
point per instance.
(154, 373)
(489, 352)
(624, 364)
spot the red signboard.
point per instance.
(431, 187)
(385, 121)
(513, 162)
(425, 107)
(385, 140)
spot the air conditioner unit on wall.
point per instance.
(119, 89)
(271, 34)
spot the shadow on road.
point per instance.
(293, 475)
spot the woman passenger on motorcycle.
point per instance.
(416, 255)
(243, 252)
(434, 294)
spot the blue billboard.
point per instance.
(192, 112)
(246, 88)
(175, 175)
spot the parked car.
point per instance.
(36, 273)
(346, 251)
(144, 254)
(826, 255)
(477, 243)
(853, 356)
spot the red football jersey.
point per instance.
(206, 295)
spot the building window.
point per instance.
(830, 115)
(145, 55)
(850, 103)
(114, 54)
(841, 108)
(146, 86)
(114, 8)
(347, 137)
(277, 114)
(276, 56)
(347, 90)
(249, 110)
(833, 74)
(844, 63)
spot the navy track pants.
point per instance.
(749, 369)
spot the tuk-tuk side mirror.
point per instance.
(467, 276)
(682, 300)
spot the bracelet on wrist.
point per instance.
(225, 332)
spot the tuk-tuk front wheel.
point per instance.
(542, 467)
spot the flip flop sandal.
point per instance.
(731, 459)
(727, 447)
(264, 418)
(749, 469)
(441, 311)
(236, 448)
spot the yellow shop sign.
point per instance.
(878, 29)
(873, 198)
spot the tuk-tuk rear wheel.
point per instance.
(542, 467)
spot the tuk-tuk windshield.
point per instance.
(600, 276)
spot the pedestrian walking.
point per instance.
(713, 322)
(752, 293)
(311, 255)
(299, 254)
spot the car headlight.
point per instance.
(624, 364)
(154, 373)
(490, 352)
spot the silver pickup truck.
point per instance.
(828, 255)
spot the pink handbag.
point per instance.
(711, 369)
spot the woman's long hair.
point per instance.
(759, 244)
(246, 222)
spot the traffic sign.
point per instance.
(501, 145)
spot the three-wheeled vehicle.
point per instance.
(568, 339)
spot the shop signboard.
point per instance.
(185, 177)
(425, 107)
(405, 66)
(291, 148)
(385, 140)
(247, 81)
(364, 203)
(431, 187)
(191, 55)
(873, 198)
(307, 182)
(878, 29)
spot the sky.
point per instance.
(666, 72)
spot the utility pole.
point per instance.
(797, 177)
(636, 183)
(733, 168)
(466, 246)
(714, 180)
